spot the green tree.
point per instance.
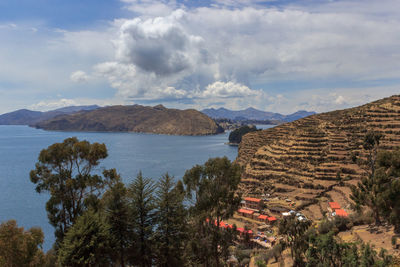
(117, 216)
(65, 171)
(296, 233)
(87, 242)
(142, 213)
(171, 219)
(211, 188)
(387, 176)
(367, 191)
(235, 137)
(324, 250)
(20, 248)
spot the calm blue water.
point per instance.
(129, 153)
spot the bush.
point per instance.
(394, 240)
(243, 254)
(325, 226)
(342, 223)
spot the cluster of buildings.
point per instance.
(251, 207)
(241, 230)
(335, 210)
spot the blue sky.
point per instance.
(70, 15)
(273, 55)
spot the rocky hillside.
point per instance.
(135, 118)
(307, 157)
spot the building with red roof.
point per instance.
(334, 205)
(253, 203)
(341, 213)
(263, 218)
(246, 212)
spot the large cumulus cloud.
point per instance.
(236, 50)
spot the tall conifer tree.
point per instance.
(171, 231)
(142, 214)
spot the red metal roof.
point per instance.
(341, 213)
(252, 199)
(263, 217)
(240, 229)
(246, 211)
(271, 219)
(334, 205)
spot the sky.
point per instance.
(280, 56)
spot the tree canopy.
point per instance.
(65, 170)
(212, 189)
(20, 248)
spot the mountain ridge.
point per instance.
(251, 113)
(28, 117)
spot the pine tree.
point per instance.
(171, 219)
(87, 242)
(117, 216)
(142, 216)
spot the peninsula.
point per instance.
(135, 118)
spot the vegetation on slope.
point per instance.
(235, 137)
(136, 118)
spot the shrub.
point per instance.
(325, 226)
(394, 240)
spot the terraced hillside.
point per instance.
(305, 158)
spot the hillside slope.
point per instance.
(306, 157)
(135, 118)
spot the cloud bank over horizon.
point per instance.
(273, 55)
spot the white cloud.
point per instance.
(79, 76)
(227, 89)
(340, 100)
(51, 104)
(151, 7)
(222, 52)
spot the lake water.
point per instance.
(129, 153)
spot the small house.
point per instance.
(263, 218)
(271, 220)
(254, 203)
(332, 206)
(341, 213)
(246, 212)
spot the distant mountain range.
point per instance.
(254, 114)
(30, 117)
